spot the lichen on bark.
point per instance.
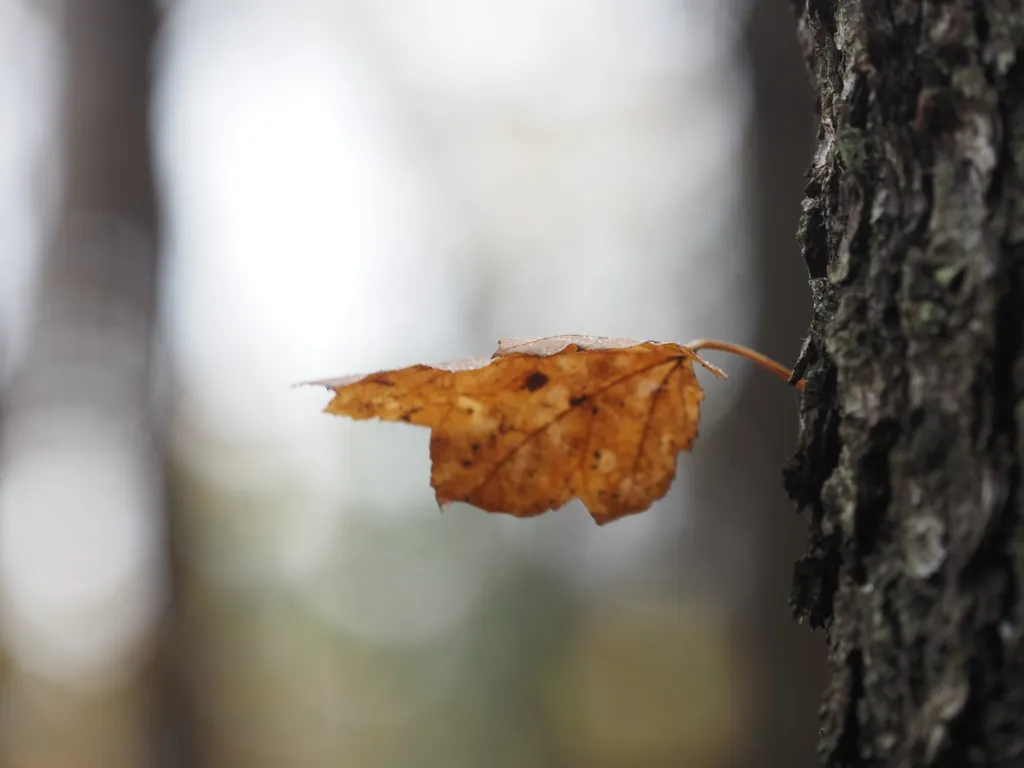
(911, 444)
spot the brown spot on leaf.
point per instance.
(535, 381)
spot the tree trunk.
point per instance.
(910, 453)
(80, 406)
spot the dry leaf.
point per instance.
(545, 421)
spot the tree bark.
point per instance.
(910, 452)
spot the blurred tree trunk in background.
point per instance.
(791, 673)
(753, 437)
(911, 451)
(82, 399)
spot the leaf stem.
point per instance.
(755, 357)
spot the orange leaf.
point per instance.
(545, 421)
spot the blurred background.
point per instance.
(205, 201)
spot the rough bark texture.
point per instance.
(911, 447)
